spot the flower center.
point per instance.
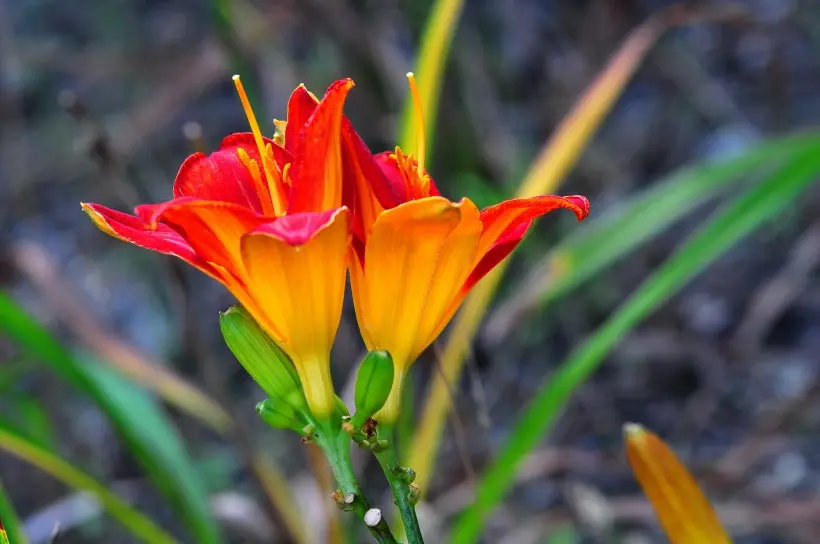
(270, 194)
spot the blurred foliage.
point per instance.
(131, 74)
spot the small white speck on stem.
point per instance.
(372, 517)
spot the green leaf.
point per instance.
(135, 522)
(154, 441)
(35, 421)
(136, 416)
(10, 527)
(591, 247)
(759, 204)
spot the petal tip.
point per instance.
(97, 218)
(581, 206)
(633, 430)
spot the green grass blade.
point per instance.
(10, 526)
(135, 522)
(154, 441)
(143, 427)
(731, 223)
(591, 248)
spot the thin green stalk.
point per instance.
(10, 526)
(397, 476)
(336, 446)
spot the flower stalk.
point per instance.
(405, 492)
(335, 443)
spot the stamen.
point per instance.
(414, 90)
(271, 191)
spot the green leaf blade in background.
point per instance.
(137, 416)
(759, 204)
(135, 522)
(10, 521)
(154, 441)
(591, 247)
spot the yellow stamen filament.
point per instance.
(272, 191)
(414, 90)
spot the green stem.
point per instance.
(336, 446)
(388, 460)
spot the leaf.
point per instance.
(154, 441)
(157, 446)
(591, 248)
(11, 530)
(135, 522)
(747, 212)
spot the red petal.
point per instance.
(213, 229)
(221, 176)
(316, 172)
(300, 107)
(505, 225)
(299, 228)
(129, 228)
(366, 189)
(395, 181)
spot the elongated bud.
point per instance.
(261, 357)
(681, 507)
(280, 415)
(340, 405)
(373, 382)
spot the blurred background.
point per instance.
(101, 100)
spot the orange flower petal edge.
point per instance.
(682, 509)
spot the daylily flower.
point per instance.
(681, 507)
(417, 254)
(265, 218)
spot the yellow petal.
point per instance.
(682, 509)
(300, 289)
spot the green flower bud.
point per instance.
(373, 382)
(280, 415)
(267, 364)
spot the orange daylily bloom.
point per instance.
(417, 254)
(682, 509)
(265, 218)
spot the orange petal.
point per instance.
(300, 289)
(505, 225)
(213, 229)
(412, 271)
(682, 509)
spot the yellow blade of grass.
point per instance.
(435, 46)
(548, 169)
